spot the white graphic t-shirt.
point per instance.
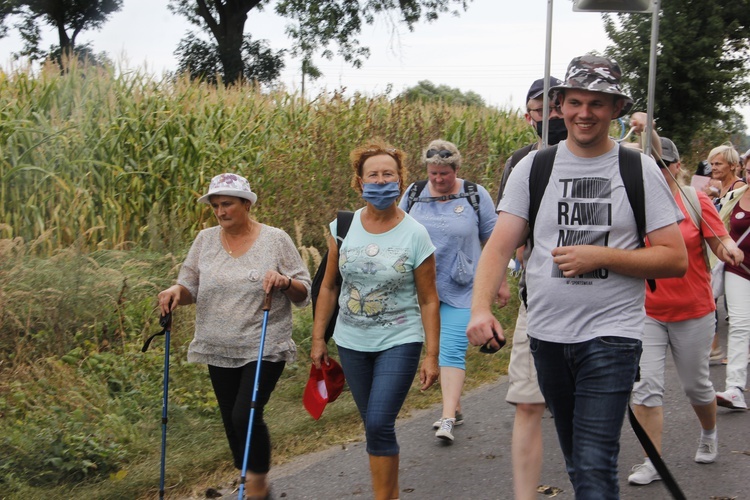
(585, 203)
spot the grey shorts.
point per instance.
(522, 383)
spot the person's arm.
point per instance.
(510, 232)
(295, 290)
(429, 306)
(665, 258)
(175, 295)
(638, 122)
(726, 249)
(326, 304)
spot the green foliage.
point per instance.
(107, 161)
(68, 18)
(318, 24)
(702, 64)
(201, 60)
(99, 179)
(426, 91)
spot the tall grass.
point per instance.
(113, 161)
(99, 173)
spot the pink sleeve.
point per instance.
(710, 217)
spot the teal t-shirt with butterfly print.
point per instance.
(378, 300)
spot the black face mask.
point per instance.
(557, 131)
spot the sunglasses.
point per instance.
(443, 153)
(488, 349)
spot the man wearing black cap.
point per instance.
(585, 273)
(523, 388)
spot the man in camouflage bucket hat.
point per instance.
(585, 274)
(596, 74)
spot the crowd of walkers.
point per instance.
(592, 222)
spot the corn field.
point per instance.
(102, 160)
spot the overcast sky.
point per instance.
(495, 49)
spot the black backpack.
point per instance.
(470, 192)
(344, 220)
(631, 172)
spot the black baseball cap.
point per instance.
(537, 88)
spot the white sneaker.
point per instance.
(459, 420)
(731, 398)
(708, 448)
(446, 429)
(644, 473)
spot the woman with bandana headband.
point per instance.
(460, 217)
(389, 306)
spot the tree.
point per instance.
(200, 59)
(701, 67)
(69, 17)
(318, 24)
(426, 91)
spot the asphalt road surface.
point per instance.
(477, 465)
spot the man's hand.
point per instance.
(576, 260)
(479, 329)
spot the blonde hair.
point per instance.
(372, 148)
(728, 153)
(453, 161)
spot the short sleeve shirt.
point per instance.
(378, 301)
(585, 203)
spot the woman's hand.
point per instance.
(319, 352)
(731, 254)
(274, 279)
(170, 298)
(429, 371)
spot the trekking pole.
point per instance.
(266, 308)
(166, 323)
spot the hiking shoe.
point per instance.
(459, 420)
(644, 473)
(731, 398)
(707, 449)
(446, 429)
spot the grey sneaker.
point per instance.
(708, 448)
(446, 429)
(459, 420)
(731, 398)
(644, 473)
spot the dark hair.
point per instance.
(376, 147)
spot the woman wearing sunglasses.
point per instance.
(459, 216)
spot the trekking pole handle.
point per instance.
(267, 302)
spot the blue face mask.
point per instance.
(381, 196)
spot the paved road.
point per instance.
(478, 465)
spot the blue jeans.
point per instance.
(586, 387)
(379, 382)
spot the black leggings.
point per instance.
(233, 388)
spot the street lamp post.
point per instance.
(633, 6)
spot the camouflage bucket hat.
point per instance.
(595, 74)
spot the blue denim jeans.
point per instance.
(586, 387)
(379, 382)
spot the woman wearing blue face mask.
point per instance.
(389, 307)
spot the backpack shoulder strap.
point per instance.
(414, 192)
(470, 188)
(541, 169)
(631, 172)
(343, 222)
(520, 154)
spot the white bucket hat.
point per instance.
(229, 185)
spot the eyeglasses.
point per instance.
(488, 349)
(443, 153)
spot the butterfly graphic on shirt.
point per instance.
(370, 267)
(370, 304)
(399, 264)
